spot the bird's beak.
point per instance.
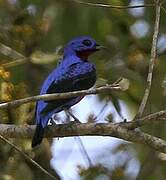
(99, 47)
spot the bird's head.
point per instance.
(82, 46)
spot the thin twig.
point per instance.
(47, 97)
(18, 57)
(14, 63)
(28, 158)
(163, 8)
(7, 51)
(101, 5)
(84, 151)
(152, 62)
(79, 141)
(152, 118)
(101, 111)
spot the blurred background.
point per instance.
(39, 30)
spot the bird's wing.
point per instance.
(77, 77)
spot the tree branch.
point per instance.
(87, 129)
(47, 97)
(18, 57)
(7, 51)
(26, 131)
(29, 158)
(152, 118)
(101, 5)
(163, 8)
(14, 63)
(152, 61)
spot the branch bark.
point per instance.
(7, 51)
(101, 5)
(47, 97)
(87, 129)
(30, 159)
(152, 61)
(152, 118)
(18, 57)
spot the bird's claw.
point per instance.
(52, 122)
(74, 122)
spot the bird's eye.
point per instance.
(87, 42)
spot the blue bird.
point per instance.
(73, 73)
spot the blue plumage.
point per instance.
(73, 73)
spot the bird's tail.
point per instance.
(38, 136)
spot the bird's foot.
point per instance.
(75, 122)
(124, 120)
(54, 121)
(51, 122)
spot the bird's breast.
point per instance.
(86, 81)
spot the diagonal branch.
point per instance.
(101, 5)
(29, 158)
(152, 118)
(79, 141)
(18, 57)
(47, 97)
(14, 63)
(7, 51)
(152, 61)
